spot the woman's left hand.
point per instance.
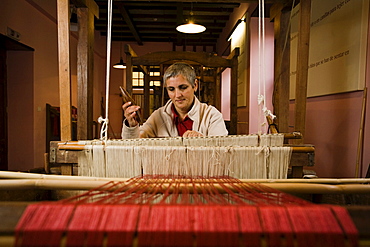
(192, 133)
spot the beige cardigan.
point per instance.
(206, 120)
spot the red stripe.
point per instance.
(121, 225)
(276, 225)
(250, 226)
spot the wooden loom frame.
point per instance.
(66, 154)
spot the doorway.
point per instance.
(6, 44)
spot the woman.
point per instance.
(183, 115)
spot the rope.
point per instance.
(260, 98)
(263, 112)
(105, 121)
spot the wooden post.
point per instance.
(85, 66)
(302, 68)
(63, 8)
(146, 95)
(218, 79)
(234, 92)
(282, 68)
(64, 70)
(64, 77)
(129, 68)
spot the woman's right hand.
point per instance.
(130, 113)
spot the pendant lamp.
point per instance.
(190, 28)
(120, 64)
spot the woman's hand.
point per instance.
(130, 113)
(192, 133)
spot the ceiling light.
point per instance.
(120, 65)
(191, 28)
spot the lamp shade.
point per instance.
(120, 65)
(190, 28)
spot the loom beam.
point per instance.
(289, 187)
(66, 153)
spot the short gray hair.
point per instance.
(183, 69)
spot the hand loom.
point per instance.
(184, 194)
(205, 209)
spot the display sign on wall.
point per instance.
(337, 49)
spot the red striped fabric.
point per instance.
(245, 216)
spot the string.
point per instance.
(263, 111)
(260, 96)
(188, 156)
(105, 121)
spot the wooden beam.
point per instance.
(211, 1)
(204, 58)
(282, 68)
(302, 68)
(130, 55)
(129, 67)
(179, 20)
(234, 91)
(90, 4)
(146, 96)
(85, 66)
(218, 78)
(129, 22)
(64, 70)
(128, 50)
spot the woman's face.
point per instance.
(181, 93)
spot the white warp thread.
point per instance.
(118, 158)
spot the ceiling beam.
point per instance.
(172, 5)
(210, 1)
(129, 22)
(156, 58)
(179, 21)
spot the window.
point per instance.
(155, 82)
(137, 79)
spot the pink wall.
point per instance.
(256, 118)
(225, 94)
(332, 125)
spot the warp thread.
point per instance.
(264, 157)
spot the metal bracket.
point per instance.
(52, 157)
